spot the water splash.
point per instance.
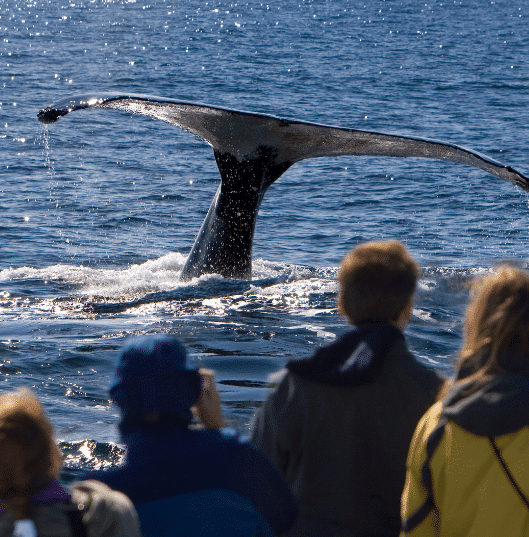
(44, 139)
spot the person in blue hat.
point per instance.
(184, 479)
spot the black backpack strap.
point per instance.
(75, 517)
(429, 505)
(510, 477)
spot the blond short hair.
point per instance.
(30, 458)
(377, 281)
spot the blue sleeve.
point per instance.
(263, 484)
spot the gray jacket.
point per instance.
(106, 513)
(343, 449)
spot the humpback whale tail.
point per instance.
(254, 150)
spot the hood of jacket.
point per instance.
(501, 406)
(153, 386)
(355, 358)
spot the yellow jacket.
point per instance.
(455, 484)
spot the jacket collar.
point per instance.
(355, 358)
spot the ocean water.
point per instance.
(102, 207)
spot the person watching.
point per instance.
(186, 479)
(468, 466)
(339, 423)
(32, 500)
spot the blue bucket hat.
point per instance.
(153, 385)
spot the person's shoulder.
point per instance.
(430, 373)
(225, 440)
(235, 446)
(227, 435)
(430, 420)
(427, 424)
(285, 387)
(410, 364)
(108, 512)
(231, 439)
(91, 490)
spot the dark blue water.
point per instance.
(102, 208)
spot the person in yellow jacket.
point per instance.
(468, 463)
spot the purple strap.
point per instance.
(53, 493)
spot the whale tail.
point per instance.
(254, 150)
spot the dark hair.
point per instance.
(377, 280)
(30, 458)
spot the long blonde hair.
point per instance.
(496, 326)
(30, 458)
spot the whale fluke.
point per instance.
(50, 115)
(254, 150)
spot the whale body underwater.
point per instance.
(252, 151)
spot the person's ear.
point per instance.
(405, 314)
